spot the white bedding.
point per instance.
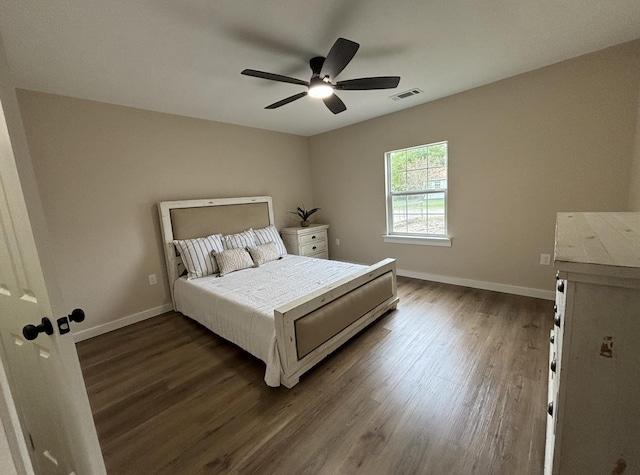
(239, 306)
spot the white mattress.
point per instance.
(239, 306)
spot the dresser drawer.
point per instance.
(313, 237)
(313, 248)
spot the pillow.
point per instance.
(270, 234)
(234, 241)
(196, 255)
(264, 253)
(232, 260)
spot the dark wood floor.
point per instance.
(453, 382)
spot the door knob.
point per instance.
(63, 323)
(31, 332)
(77, 315)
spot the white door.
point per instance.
(44, 374)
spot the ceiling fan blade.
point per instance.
(363, 84)
(334, 104)
(273, 77)
(281, 103)
(340, 54)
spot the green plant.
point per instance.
(304, 213)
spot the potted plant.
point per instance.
(304, 215)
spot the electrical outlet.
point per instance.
(152, 279)
(337, 241)
(545, 259)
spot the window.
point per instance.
(417, 193)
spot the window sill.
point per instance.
(419, 240)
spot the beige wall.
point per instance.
(634, 186)
(102, 169)
(555, 139)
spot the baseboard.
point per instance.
(478, 284)
(121, 322)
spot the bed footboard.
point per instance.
(311, 328)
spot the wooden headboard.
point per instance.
(199, 218)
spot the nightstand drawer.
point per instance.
(313, 237)
(313, 248)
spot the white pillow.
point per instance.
(240, 240)
(196, 255)
(264, 253)
(270, 234)
(233, 260)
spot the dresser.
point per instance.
(311, 241)
(594, 371)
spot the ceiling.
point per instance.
(185, 56)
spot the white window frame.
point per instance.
(414, 238)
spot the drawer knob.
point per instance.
(557, 320)
(561, 286)
(552, 339)
(314, 248)
(555, 308)
(558, 275)
(313, 237)
(550, 408)
(553, 366)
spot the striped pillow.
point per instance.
(233, 260)
(270, 234)
(196, 255)
(264, 253)
(240, 240)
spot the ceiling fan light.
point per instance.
(320, 91)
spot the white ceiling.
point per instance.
(185, 56)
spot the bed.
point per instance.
(291, 312)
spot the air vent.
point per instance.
(405, 94)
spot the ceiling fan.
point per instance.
(324, 72)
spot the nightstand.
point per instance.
(310, 242)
